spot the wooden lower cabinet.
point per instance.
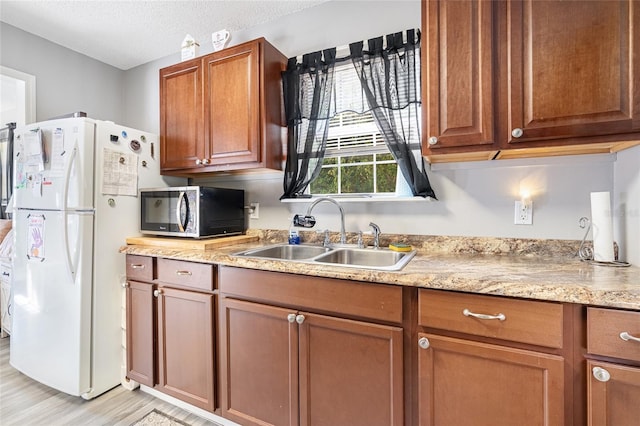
(613, 394)
(141, 333)
(186, 346)
(463, 382)
(286, 367)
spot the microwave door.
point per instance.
(182, 211)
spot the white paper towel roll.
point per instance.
(602, 227)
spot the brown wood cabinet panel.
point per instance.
(457, 67)
(186, 274)
(614, 401)
(526, 321)
(181, 115)
(462, 382)
(259, 364)
(571, 69)
(350, 372)
(223, 111)
(604, 329)
(139, 268)
(186, 346)
(141, 331)
(364, 300)
(232, 86)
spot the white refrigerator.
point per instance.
(75, 202)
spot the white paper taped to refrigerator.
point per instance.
(120, 173)
(33, 151)
(57, 153)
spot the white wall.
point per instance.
(475, 199)
(66, 81)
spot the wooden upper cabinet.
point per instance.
(457, 67)
(571, 69)
(529, 78)
(232, 87)
(223, 111)
(181, 113)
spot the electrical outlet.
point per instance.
(254, 211)
(523, 213)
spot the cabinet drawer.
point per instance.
(366, 300)
(525, 321)
(139, 268)
(186, 274)
(613, 333)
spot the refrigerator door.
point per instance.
(52, 288)
(53, 164)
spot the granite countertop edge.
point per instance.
(545, 276)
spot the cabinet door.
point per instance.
(232, 88)
(462, 382)
(258, 363)
(181, 116)
(571, 69)
(457, 62)
(186, 346)
(140, 317)
(350, 372)
(612, 395)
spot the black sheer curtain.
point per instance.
(308, 89)
(390, 78)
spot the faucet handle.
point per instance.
(304, 221)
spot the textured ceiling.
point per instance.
(129, 33)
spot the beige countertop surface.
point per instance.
(533, 269)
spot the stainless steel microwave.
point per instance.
(192, 211)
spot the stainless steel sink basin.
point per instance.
(383, 259)
(286, 252)
(365, 258)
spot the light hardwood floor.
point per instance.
(25, 402)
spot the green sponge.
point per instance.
(400, 247)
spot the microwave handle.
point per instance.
(181, 225)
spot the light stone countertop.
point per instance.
(533, 269)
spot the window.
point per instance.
(357, 160)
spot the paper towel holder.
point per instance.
(585, 252)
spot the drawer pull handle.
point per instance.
(183, 272)
(626, 337)
(137, 266)
(468, 313)
(601, 374)
(424, 343)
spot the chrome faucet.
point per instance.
(343, 234)
(376, 234)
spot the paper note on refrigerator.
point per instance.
(34, 152)
(57, 153)
(35, 237)
(120, 176)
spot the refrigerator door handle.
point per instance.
(65, 231)
(67, 179)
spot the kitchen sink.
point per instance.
(384, 259)
(286, 252)
(365, 258)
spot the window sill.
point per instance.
(362, 199)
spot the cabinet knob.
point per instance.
(517, 132)
(205, 161)
(601, 374)
(424, 343)
(157, 293)
(198, 162)
(300, 319)
(626, 337)
(291, 318)
(433, 140)
(125, 285)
